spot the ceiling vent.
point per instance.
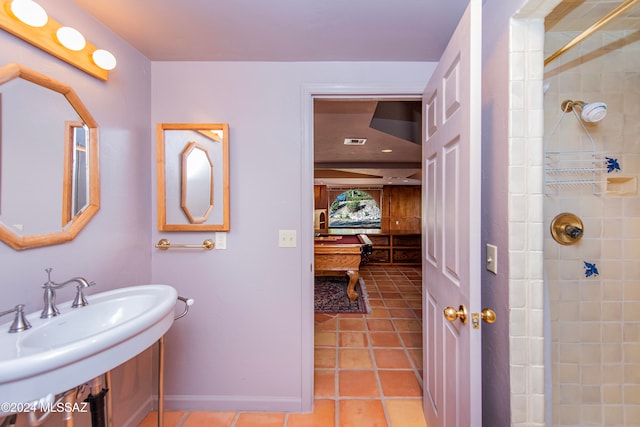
(355, 141)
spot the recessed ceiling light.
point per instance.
(387, 151)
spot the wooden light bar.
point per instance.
(45, 38)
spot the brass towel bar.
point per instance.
(164, 244)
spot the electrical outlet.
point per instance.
(287, 238)
(492, 258)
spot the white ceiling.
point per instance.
(282, 30)
(301, 30)
(338, 164)
(319, 30)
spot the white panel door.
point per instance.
(451, 230)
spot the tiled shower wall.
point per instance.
(526, 223)
(594, 285)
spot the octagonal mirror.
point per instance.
(197, 183)
(193, 177)
(49, 179)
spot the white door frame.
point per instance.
(309, 93)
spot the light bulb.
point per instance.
(71, 38)
(104, 59)
(29, 12)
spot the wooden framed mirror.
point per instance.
(50, 182)
(193, 176)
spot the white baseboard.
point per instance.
(231, 403)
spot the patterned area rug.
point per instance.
(330, 296)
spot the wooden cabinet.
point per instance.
(401, 208)
(406, 249)
(381, 249)
(396, 248)
(320, 219)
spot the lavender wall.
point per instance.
(495, 160)
(243, 344)
(246, 342)
(114, 249)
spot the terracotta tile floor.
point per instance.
(368, 368)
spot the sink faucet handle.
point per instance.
(49, 282)
(80, 300)
(20, 323)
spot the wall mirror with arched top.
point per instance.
(49, 178)
(193, 176)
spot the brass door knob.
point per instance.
(488, 315)
(451, 314)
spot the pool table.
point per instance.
(342, 253)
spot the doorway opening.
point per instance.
(388, 341)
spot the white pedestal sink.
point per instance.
(82, 343)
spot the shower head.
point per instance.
(591, 112)
(594, 111)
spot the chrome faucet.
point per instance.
(19, 322)
(50, 309)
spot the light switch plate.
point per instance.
(492, 258)
(221, 240)
(287, 238)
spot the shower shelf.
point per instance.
(570, 169)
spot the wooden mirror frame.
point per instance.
(77, 223)
(221, 206)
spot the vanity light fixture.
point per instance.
(71, 38)
(43, 32)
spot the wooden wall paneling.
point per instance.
(404, 208)
(320, 197)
